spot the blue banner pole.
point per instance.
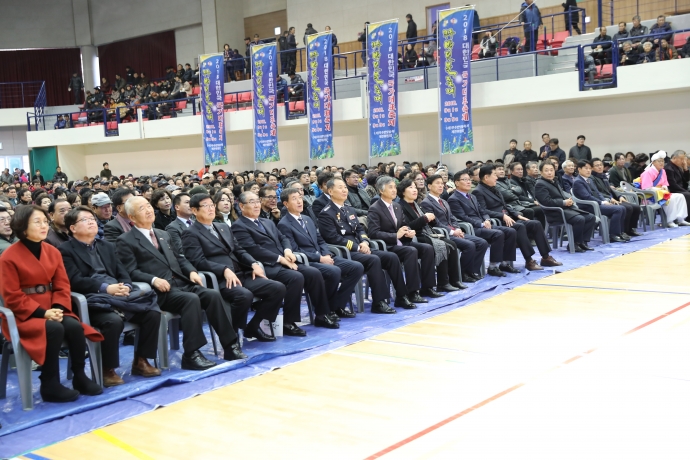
(319, 95)
(264, 71)
(212, 82)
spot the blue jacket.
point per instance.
(530, 16)
(583, 191)
(316, 189)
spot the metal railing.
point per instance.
(591, 78)
(611, 11)
(20, 94)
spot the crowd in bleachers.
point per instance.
(267, 237)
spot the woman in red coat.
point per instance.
(34, 285)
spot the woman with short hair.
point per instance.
(162, 202)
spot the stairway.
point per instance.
(566, 61)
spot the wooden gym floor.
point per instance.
(588, 364)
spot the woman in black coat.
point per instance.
(572, 19)
(410, 56)
(446, 252)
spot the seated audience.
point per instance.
(647, 54)
(663, 29)
(628, 55)
(622, 33)
(162, 202)
(602, 52)
(550, 194)
(632, 210)
(638, 165)
(7, 236)
(568, 177)
(654, 177)
(340, 275)
(102, 206)
(148, 258)
(95, 272)
(58, 232)
(584, 189)
(34, 285)
(666, 51)
(121, 223)
(638, 30)
(487, 46)
(678, 176)
(225, 208)
(619, 172)
(269, 204)
(685, 50)
(184, 219)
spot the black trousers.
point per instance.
(374, 264)
(408, 256)
(340, 279)
(291, 62)
(472, 250)
(616, 215)
(70, 330)
(187, 300)
(240, 298)
(77, 95)
(502, 240)
(583, 227)
(284, 66)
(531, 230)
(110, 324)
(304, 278)
(632, 216)
(426, 256)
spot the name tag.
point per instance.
(342, 230)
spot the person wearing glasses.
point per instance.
(58, 233)
(103, 207)
(34, 285)
(95, 272)
(269, 204)
(7, 237)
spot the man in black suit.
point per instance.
(386, 222)
(184, 220)
(472, 247)
(212, 247)
(324, 199)
(262, 240)
(491, 200)
(149, 258)
(93, 268)
(121, 223)
(306, 206)
(339, 225)
(269, 204)
(465, 207)
(303, 236)
(550, 194)
(358, 198)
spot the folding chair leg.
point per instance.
(96, 363)
(174, 331)
(310, 307)
(163, 344)
(24, 375)
(213, 333)
(664, 220)
(571, 238)
(359, 296)
(4, 368)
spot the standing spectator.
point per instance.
(580, 151)
(76, 85)
(556, 151)
(530, 17)
(188, 74)
(509, 155)
(227, 56)
(602, 52)
(411, 33)
(308, 31)
(662, 28)
(638, 30)
(292, 55)
(239, 65)
(362, 38)
(129, 75)
(334, 39)
(545, 150)
(527, 154)
(283, 47)
(572, 19)
(106, 171)
(59, 175)
(39, 177)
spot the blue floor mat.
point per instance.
(24, 431)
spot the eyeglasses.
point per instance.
(87, 220)
(207, 205)
(271, 197)
(466, 179)
(40, 222)
(5, 220)
(253, 202)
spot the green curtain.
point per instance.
(45, 159)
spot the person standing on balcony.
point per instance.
(76, 85)
(573, 18)
(530, 18)
(411, 33)
(282, 47)
(292, 46)
(308, 31)
(363, 39)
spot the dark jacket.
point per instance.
(265, 246)
(163, 220)
(647, 57)
(56, 238)
(525, 156)
(602, 184)
(631, 57)
(359, 199)
(468, 209)
(307, 241)
(59, 176)
(282, 43)
(584, 189)
(665, 31)
(76, 83)
(79, 269)
(571, 5)
(615, 177)
(510, 197)
(523, 189)
(492, 201)
(580, 153)
(567, 183)
(291, 42)
(308, 31)
(605, 38)
(411, 30)
(638, 32)
(550, 194)
(445, 217)
(677, 178)
(175, 229)
(210, 254)
(383, 227)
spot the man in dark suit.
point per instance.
(269, 204)
(584, 189)
(121, 223)
(472, 247)
(303, 236)
(93, 268)
(149, 258)
(324, 199)
(550, 194)
(677, 176)
(262, 240)
(358, 198)
(465, 207)
(386, 222)
(491, 200)
(212, 247)
(184, 220)
(339, 225)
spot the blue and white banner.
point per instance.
(319, 82)
(382, 61)
(264, 71)
(455, 100)
(212, 79)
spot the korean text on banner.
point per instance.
(212, 74)
(264, 71)
(382, 61)
(319, 81)
(455, 99)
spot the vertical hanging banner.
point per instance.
(212, 80)
(455, 101)
(319, 81)
(382, 61)
(264, 71)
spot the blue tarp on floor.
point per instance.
(23, 431)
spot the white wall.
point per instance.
(36, 24)
(189, 43)
(256, 7)
(13, 140)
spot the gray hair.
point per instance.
(130, 209)
(244, 197)
(567, 163)
(530, 163)
(382, 181)
(678, 153)
(629, 43)
(636, 17)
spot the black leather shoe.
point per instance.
(258, 334)
(469, 278)
(507, 268)
(616, 239)
(234, 353)
(633, 233)
(579, 249)
(345, 313)
(382, 308)
(325, 321)
(624, 236)
(430, 292)
(293, 330)
(585, 247)
(494, 271)
(459, 285)
(477, 276)
(448, 288)
(333, 317)
(405, 303)
(414, 298)
(196, 361)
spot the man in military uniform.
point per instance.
(339, 225)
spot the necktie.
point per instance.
(301, 222)
(213, 231)
(154, 242)
(188, 222)
(260, 225)
(390, 208)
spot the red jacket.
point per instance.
(19, 269)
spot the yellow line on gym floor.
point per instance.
(122, 445)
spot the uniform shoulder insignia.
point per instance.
(326, 208)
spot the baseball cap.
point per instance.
(100, 199)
